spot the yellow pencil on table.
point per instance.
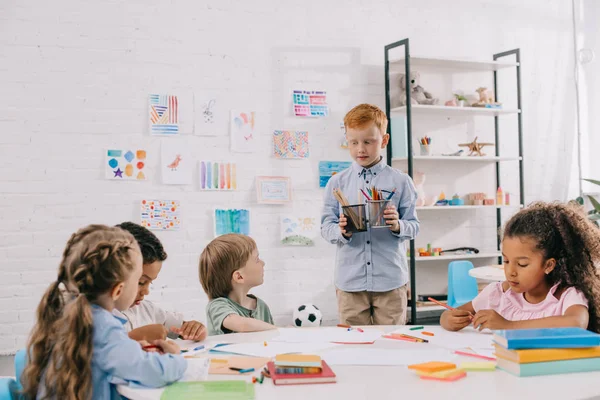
(418, 339)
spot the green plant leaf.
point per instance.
(595, 203)
(595, 182)
(579, 200)
(594, 217)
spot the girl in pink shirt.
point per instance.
(550, 253)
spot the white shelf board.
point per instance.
(445, 208)
(397, 65)
(459, 158)
(429, 308)
(460, 111)
(460, 256)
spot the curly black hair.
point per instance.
(152, 248)
(563, 232)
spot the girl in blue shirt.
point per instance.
(78, 349)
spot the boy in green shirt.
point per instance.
(229, 268)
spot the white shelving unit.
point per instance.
(490, 254)
(488, 159)
(457, 111)
(417, 113)
(452, 208)
(397, 65)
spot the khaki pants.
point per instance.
(373, 308)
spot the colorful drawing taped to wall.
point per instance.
(232, 220)
(310, 103)
(242, 131)
(299, 231)
(160, 215)
(164, 115)
(176, 163)
(125, 165)
(290, 144)
(216, 175)
(273, 189)
(327, 169)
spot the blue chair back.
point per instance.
(20, 360)
(462, 287)
(8, 386)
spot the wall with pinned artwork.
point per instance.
(168, 117)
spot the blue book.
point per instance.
(546, 338)
(550, 367)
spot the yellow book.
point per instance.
(297, 360)
(542, 355)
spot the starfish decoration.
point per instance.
(475, 147)
(118, 173)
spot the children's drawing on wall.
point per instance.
(160, 215)
(232, 220)
(242, 132)
(290, 144)
(273, 189)
(329, 168)
(211, 118)
(127, 164)
(310, 103)
(216, 175)
(208, 111)
(164, 115)
(299, 231)
(176, 163)
(343, 140)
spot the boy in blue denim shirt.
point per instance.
(371, 267)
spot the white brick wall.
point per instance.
(75, 75)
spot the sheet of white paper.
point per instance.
(273, 348)
(197, 370)
(370, 356)
(467, 337)
(486, 352)
(325, 335)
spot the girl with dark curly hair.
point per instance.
(551, 253)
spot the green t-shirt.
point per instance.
(218, 309)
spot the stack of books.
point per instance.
(297, 369)
(548, 351)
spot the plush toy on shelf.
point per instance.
(418, 95)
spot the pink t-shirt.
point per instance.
(513, 306)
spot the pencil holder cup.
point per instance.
(356, 217)
(376, 212)
(425, 149)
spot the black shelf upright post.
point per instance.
(388, 48)
(517, 54)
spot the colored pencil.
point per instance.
(466, 353)
(440, 304)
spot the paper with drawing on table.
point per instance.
(466, 337)
(197, 370)
(328, 335)
(370, 356)
(272, 348)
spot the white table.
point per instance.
(490, 273)
(397, 382)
